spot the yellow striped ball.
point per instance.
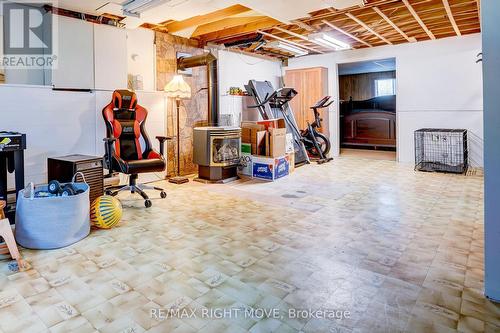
(105, 212)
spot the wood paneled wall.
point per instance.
(194, 111)
(361, 86)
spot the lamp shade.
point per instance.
(178, 88)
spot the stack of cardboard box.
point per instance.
(263, 149)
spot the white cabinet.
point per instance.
(74, 49)
(110, 57)
(141, 56)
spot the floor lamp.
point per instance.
(178, 89)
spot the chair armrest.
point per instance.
(109, 152)
(162, 140)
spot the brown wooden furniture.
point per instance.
(369, 123)
(311, 85)
(10, 246)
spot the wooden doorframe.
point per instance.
(336, 135)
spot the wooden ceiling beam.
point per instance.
(330, 14)
(240, 30)
(253, 53)
(364, 25)
(400, 14)
(298, 36)
(446, 5)
(418, 19)
(346, 33)
(288, 41)
(207, 18)
(303, 25)
(392, 24)
(223, 24)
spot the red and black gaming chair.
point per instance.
(128, 148)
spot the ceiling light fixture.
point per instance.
(341, 44)
(289, 48)
(330, 42)
(326, 43)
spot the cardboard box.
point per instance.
(291, 159)
(265, 124)
(272, 123)
(261, 143)
(271, 143)
(289, 143)
(249, 131)
(270, 168)
(277, 142)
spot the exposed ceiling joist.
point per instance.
(446, 5)
(207, 18)
(418, 19)
(303, 25)
(253, 54)
(298, 36)
(289, 41)
(240, 30)
(223, 24)
(331, 25)
(364, 25)
(379, 22)
(392, 24)
(254, 46)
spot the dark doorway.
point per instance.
(367, 93)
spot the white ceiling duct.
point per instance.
(136, 7)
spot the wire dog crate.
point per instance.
(443, 150)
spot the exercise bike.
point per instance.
(316, 143)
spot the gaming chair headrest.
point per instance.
(124, 99)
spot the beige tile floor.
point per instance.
(400, 250)
(368, 153)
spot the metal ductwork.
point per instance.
(246, 41)
(209, 60)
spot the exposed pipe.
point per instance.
(209, 60)
(213, 94)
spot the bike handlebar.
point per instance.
(323, 103)
(289, 94)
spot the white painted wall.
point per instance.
(235, 70)
(438, 85)
(58, 123)
(61, 122)
(141, 56)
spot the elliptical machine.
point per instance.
(316, 143)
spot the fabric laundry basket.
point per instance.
(52, 222)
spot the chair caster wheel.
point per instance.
(148, 203)
(163, 194)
